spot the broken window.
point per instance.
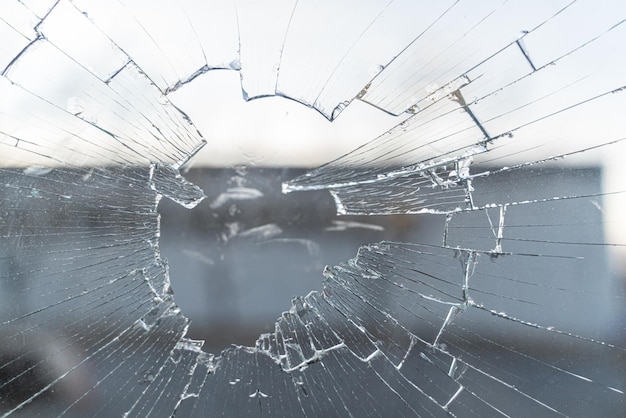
(507, 139)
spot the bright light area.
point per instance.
(271, 131)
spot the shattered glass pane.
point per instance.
(506, 150)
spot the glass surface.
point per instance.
(169, 246)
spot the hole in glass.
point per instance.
(237, 258)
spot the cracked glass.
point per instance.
(432, 194)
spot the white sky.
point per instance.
(271, 131)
